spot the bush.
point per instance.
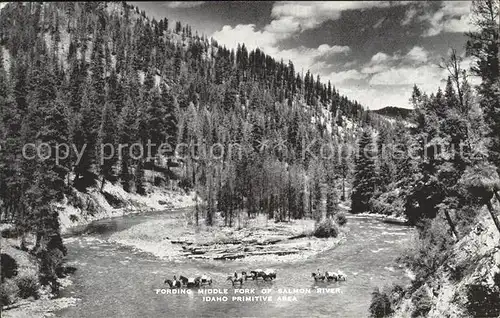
(380, 305)
(422, 303)
(8, 292)
(388, 203)
(326, 228)
(10, 232)
(429, 251)
(496, 279)
(4, 296)
(185, 184)
(483, 301)
(341, 219)
(457, 272)
(8, 266)
(396, 293)
(73, 218)
(113, 200)
(28, 286)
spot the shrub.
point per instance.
(91, 206)
(483, 301)
(113, 200)
(185, 184)
(396, 293)
(429, 250)
(28, 286)
(10, 232)
(388, 203)
(457, 272)
(8, 292)
(326, 228)
(74, 199)
(8, 266)
(341, 219)
(496, 279)
(380, 305)
(422, 303)
(73, 218)
(4, 296)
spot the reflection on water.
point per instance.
(117, 281)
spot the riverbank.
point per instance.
(81, 209)
(250, 240)
(37, 301)
(77, 211)
(390, 219)
(114, 280)
(467, 284)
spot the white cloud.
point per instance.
(309, 15)
(376, 98)
(380, 57)
(453, 17)
(427, 76)
(245, 33)
(418, 54)
(302, 57)
(371, 69)
(309, 58)
(379, 62)
(183, 4)
(341, 77)
(283, 27)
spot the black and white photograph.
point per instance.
(295, 159)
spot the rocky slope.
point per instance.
(467, 285)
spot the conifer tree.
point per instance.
(484, 45)
(364, 174)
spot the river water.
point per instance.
(113, 280)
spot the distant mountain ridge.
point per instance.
(394, 112)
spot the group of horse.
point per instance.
(189, 282)
(267, 275)
(329, 276)
(199, 281)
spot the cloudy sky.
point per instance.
(372, 51)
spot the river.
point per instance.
(113, 280)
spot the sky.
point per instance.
(371, 51)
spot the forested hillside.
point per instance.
(247, 129)
(448, 186)
(89, 92)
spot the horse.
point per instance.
(331, 276)
(173, 284)
(190, 282)
(318, 277)
(246, 276)
(234, 279)
(269, 273)
(256, 273)
(205, 279)
(341, 276)
(265, 274)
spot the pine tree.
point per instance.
(484, 45)
(364, 175)
(384, 160)
(126, 134)
(107, 142)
